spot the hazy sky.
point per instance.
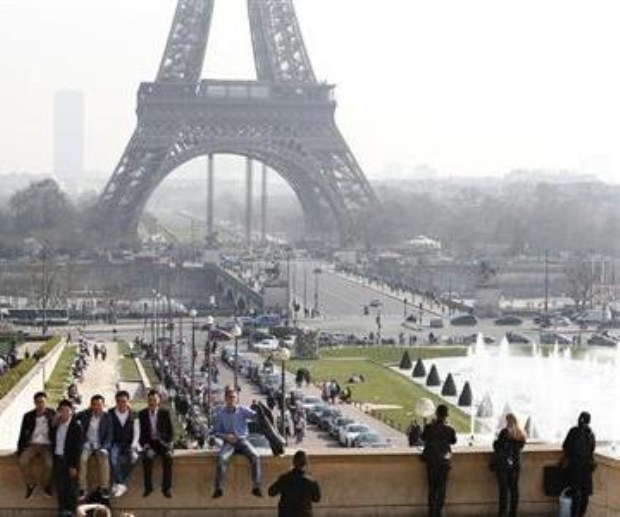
(464, 86)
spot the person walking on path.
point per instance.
(231, 425)
(507, 449)
(578, 447)
(438, 438)
(296, 489)
(35, 439)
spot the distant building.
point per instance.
(68, 133)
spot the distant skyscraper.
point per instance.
(68, 133)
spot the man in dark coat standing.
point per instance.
(579, 447)
(296, 489)
(156, 439)
(438, 437)
(67, 440)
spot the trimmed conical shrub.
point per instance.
(449, 387)
(433, 378)
(466, 397)
(419, 369)
(405, 362)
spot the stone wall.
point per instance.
(372, 483)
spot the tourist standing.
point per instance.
(35, 439)
(579, 446)
(507, 449)
(296, 489)
(438, 438)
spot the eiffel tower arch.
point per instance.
(284, 119)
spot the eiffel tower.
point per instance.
(284, 119)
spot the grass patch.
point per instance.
(391, 355)
(382, 386)
(15, 374)
(127, 365)
(57, 383)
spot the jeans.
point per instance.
(243, 447)
(120, 463)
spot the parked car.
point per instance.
(338, 423)
(350, 432)
(260, 444)
(509, 320)
(517, 339)
(327, 416)
(289, 341)
(464, 320)
(310, 401)
(370, 440)
(436, 323)
(602, 340)
(267, 345)
(551, 338)
(375, 302)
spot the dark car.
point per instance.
(464, 320)
(602, 340)
(551, 338)
(514, 338)
(509, 320)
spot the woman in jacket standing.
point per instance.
(507, 463)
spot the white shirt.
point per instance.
(153, 419)
(40, 435)
(61, 435)
(93, 431)
(122, 417)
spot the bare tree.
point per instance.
(581, 275)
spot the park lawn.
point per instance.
(381, 386)
(127, 365)
(59, 380)
(391, 355)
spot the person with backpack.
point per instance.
(578, 447)
(507, 463)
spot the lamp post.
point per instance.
(317, 271)
(192, 315)
(284, 354)
(209, 325)
(236, 333)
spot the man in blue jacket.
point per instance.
(97, 441)
(231, 425)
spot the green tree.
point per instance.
(39, 207)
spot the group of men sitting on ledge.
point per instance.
(118, 438)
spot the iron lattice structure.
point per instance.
(284, 119)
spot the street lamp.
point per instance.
(284, 354)
(192, 315)
(317, 271)
(209, 326)
(236, 332)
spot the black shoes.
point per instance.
(47, 491)
(147, 492)
(217, 493)
(257, 492)
(167, 493)
(30, 490)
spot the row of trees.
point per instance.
(520, 217)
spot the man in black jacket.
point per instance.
(296, 489)
(156, 439)
(35, 439)
(67, 446)
(579, 447)
(438, 437)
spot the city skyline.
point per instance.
(476, 89)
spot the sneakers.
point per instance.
(257, 492)
(118, 490)
(217, 493)
(30, 490)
